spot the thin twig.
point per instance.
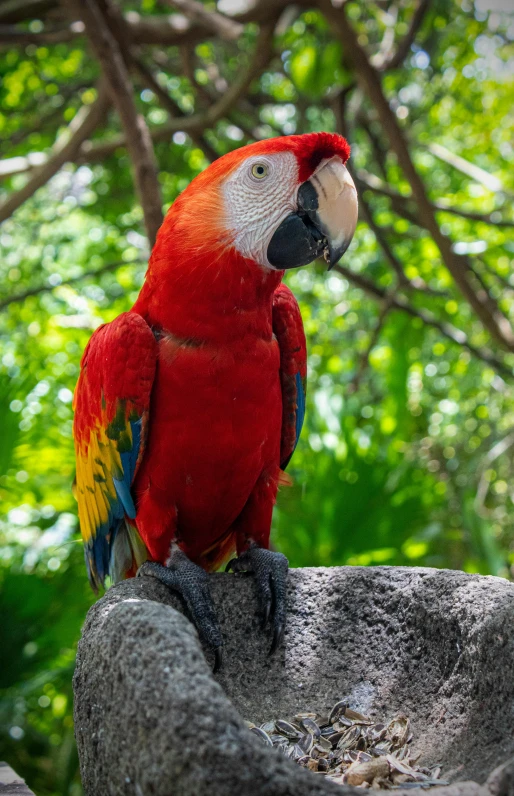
(495, 275)
(13, 11)
(219, 24)
(36, 291)
(406, 43)
(196, 123)
(446, 329)
(353, 386)
(403, 205)
(404, 282)
(11, 35)
(383, 242)
(465, 167)
(139, 143)
(66, 148)
(169, 104)
(177, 30)
(483, 304)
(42, 117)
(386, 45)
(496, 451)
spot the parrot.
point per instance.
(188, 407)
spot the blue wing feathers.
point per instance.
(102, 543)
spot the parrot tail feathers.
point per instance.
(128, 552)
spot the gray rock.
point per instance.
(151, 718)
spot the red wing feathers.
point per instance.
(288, 329)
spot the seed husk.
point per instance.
(404, 768)
(311, 727)
(264, 737)
(356, 717)
(324, 743)
(348, 747)
(338, 710)
(306, 743)
(398, 730)
(287, 729)
(342, 722)
(367, 772)
(349, 738)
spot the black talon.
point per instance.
(190, 582)
(218, 659)
(278, 637)
(270, 570)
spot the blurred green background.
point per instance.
(406, 454)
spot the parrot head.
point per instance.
(280, 203)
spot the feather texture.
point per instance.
(111, 402)
(288, 329)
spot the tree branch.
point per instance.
(353, 386)
(167, 30)
(41, 118)
(65, 149)
(406, 43)
(403, 205)
(169, 104)
(12, 34)
(196, 123)
(219, 24)
(475, 173)
(496, 451)
(446, 329)
(404, 282)
(139, 143)
(177, 29)
(13, 11)
(481, 302)
(36, 291)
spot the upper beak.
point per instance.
(324, 223)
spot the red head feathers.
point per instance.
(254, 212)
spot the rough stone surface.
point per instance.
(438, 645)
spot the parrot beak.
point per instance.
(324, 223)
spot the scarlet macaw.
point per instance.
(189, 406)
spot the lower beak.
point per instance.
(324, 222)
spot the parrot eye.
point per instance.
(259, 170)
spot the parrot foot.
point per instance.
(190, 581)
(270, 570)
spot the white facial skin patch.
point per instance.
(258, 196)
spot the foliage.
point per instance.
(404, 458)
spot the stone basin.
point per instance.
(437, 645)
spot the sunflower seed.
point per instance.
(342, 722)
(338, 710)
(287, 729)
(349, 738)
(357, 717)
(264, 737)
(306, 743)
(311, 727)
(324, 743)
(323, 764)
(348, 747)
